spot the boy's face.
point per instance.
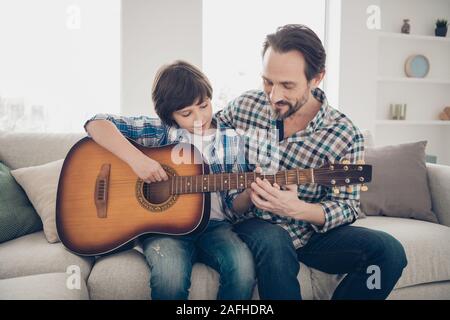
(195, 118)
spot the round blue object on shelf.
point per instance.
(417, 66)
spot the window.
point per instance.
(233, 34)
(59, 63)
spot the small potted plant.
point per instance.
(441, 28)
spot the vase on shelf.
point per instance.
(441, 28)
(445, 114)
(398, 111)
(440, 32)
(406, 28)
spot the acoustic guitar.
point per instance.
(103, 205)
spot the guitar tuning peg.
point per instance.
(345, 161)
(360, 162)
(349, 189)
(336, 190)
(364, 188)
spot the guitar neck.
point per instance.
(230, 181)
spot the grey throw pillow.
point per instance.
(399, 186)
(17, 215)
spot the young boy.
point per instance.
(182, 98)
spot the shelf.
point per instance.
(414, 80)
(413, 123)
(394, 35)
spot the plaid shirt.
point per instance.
(224, 151)
(329, 137)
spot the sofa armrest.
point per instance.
(439, 181)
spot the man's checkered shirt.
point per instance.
(329, 137)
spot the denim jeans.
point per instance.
(171, 259)
(346, 249)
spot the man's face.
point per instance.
(285, 81)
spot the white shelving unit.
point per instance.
(412, 123)
(402, 36)
(425, 97)
(414, 80)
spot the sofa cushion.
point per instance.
(17, 215)
(18, 150)
(438, 178)
(426, 247)
(32, 254)
(48, 286)
(399, 186)
(126, 275)
(41, 185)
(426, 291)
(120, 276)
(425, 244)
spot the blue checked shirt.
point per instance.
(329, 137)
(224, 151)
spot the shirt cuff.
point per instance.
(333, 216)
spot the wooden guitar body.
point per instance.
(102, 204)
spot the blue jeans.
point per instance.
(347, 250)
(171, 259)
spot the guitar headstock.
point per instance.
(343, 174)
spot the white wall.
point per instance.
(232, 46)
(155, 32)
(333, 49)
(358, 69)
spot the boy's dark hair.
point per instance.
(178, 85)
(301, 38)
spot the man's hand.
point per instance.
(273, 199)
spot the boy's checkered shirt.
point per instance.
(329, 137)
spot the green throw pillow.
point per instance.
(17, 215)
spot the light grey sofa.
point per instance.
(32, 268)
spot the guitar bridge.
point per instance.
(101, 190)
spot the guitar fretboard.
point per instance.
(231, 181)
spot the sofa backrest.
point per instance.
(18, 150)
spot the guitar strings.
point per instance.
(158, 188)
(278, 176)
(282, 175)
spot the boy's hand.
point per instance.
(148, 169)
(248, 191)
(243, 201)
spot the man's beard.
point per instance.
(291, 108)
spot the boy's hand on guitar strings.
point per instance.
(148, 169)
(248, 191)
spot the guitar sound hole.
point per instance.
(156, 192)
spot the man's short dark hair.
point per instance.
(176, 86)
(301, 38)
